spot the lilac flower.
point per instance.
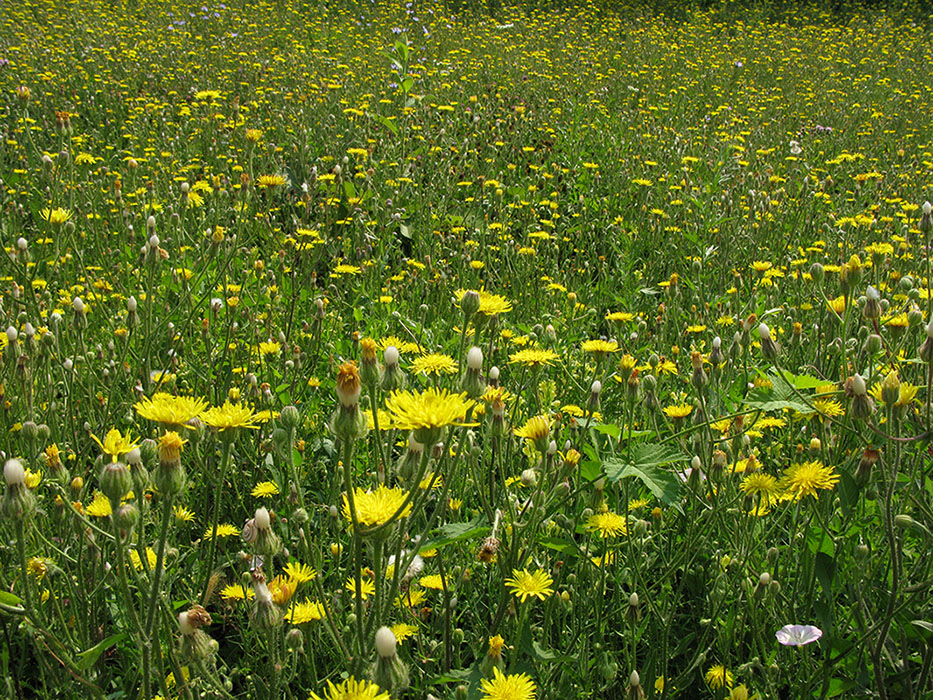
(798, 635)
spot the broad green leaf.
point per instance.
(647, 465)
(91, 655)
(455, 532)
(8, 598)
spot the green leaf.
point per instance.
(647, 465)
(386, 122)
(779, 398)
(825, 568)
(91, 655)
(558, 544)
(8, 598)
(608, 429)
(455, 532)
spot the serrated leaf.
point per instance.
(455, 532)
(647, 465)
(91, 655)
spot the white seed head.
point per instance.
(552, 448)
(765, 579)
(184, 624)
(13, 473)
(131, 304)
(150, 223)
(475, 359)
(634, 680)
(154, 242)
(28, 329)
(385, 642)
(78, 305)
(12, 334)
(717, 342)
(21, 243)
(873, 294)
(493, 374)
(858, 385)
(391, 356)
(596, 387)
(696, 463)
(262, 518)
(930, 329)
(764, 333)
(927, 208)
(633, 600)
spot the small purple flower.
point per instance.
(798, 635)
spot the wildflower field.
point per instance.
(416, 350)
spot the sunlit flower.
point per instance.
(607, 524)
(352, 689)
(524, 584)
(374, 508)
(719, 676)
(514, 686)
(807, 479)
(230, 416)
(533, 357)
(115, 444)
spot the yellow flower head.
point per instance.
(525, 584)
(427, 412)
(171, 410)
(533, 357)
(514, 686)
(115, 444)
(170, 446)
(230, 417)
(373, 508)
(719, 676)
(352, 689)
(807, 479)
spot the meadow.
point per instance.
(424, 350)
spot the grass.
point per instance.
(585, 348)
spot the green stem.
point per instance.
(215, 517)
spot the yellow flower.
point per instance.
(115, 444)
(223, 530)
(367, 587)
(182, 514)
(489, 304)
(514, 686)
(170, 446)
(607, 524)
(600, 348)
(56, 216)
(403, 631)
(432, 581)
(99, 507)
(236, 592)
(427, 412)
(525, 584)
(838, 305)
(171, 410)
(305, 611)
(678, 410)
(807, 478)
(434, 364)
(230, 416)
(536, 428)
(268, 181)
(533, 357)
(373, 508)
(620, 317)
(265, 489)
(352, 689)
(138, 563)
(718, 676)
(298, 572)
